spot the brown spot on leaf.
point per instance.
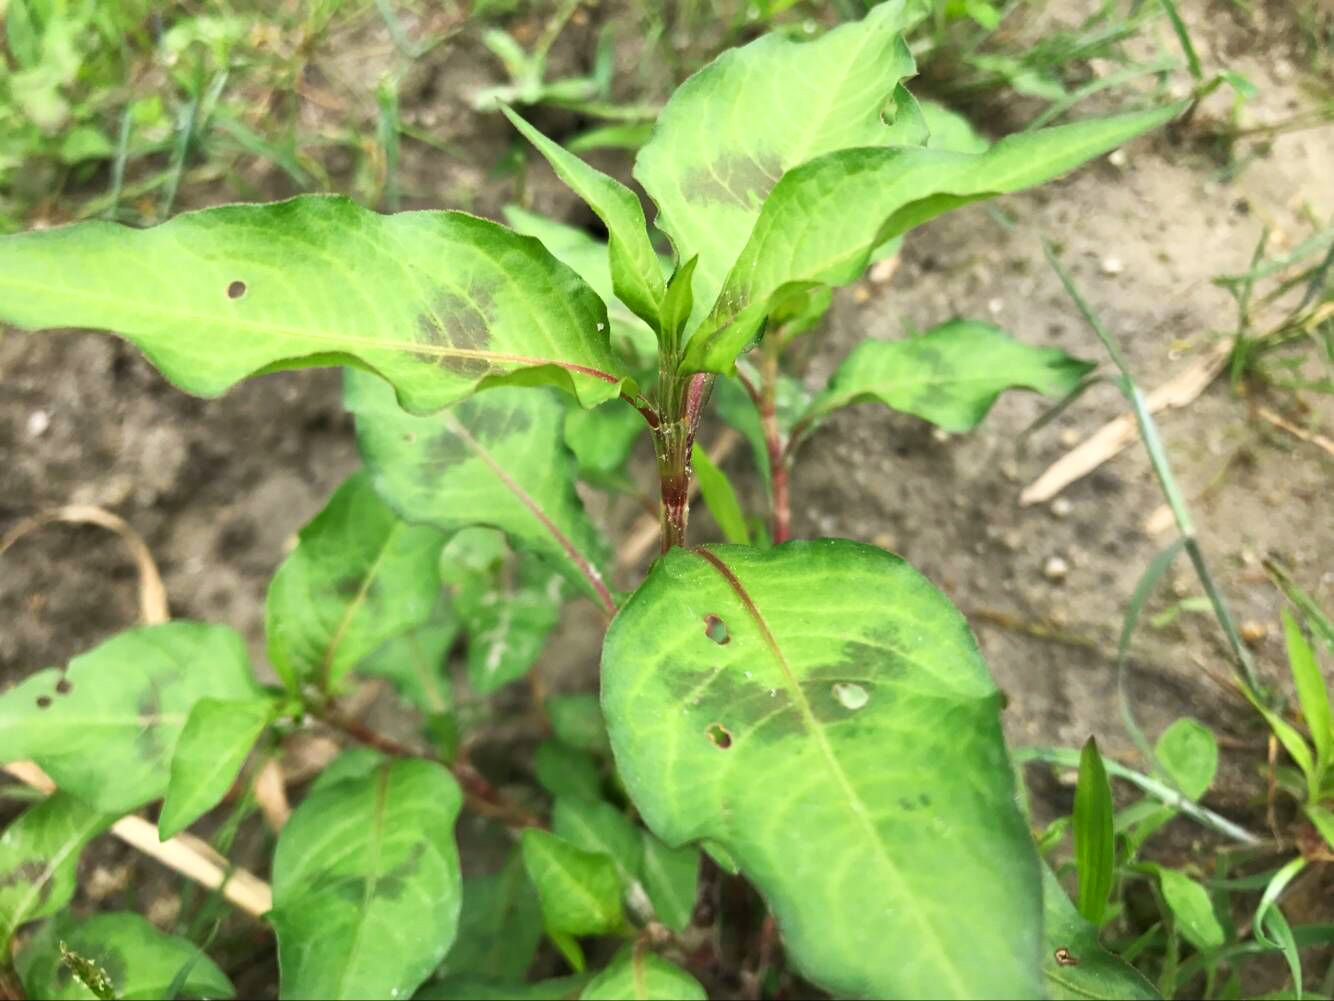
(64, 686)
(740, 179)
(716, 630)
(1065, 958)
(720, 735)
(236, 289)
(43, 702)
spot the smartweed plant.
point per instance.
(813, 714)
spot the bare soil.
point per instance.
(218, 488)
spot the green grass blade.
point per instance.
(1095, 847)
(720, 498)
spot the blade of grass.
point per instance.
(1315, 617)
(1312, 697)
(1156, 569)
(118, 163)
(1095, 846)
(1065, 757)
(1271, 927)
(1183, 36)
(719, 497)
(1162, 469)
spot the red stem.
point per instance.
(765, 403)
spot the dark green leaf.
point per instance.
(500, 926)
(641, 975)
(577, 721)
(671, 877)
(106, 729)
(1312, 694)
(499, 460)
(847, 203)
(439, 303)
(1074, 964)
(140, 961)
(565, 771)
(39, 858)
(359, 576)
(839, 736)
(366, 885)
(213, 745)
(635, 273)
(1095, 846)
(950, 375)
(679, 302)
(580, 891)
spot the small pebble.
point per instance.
(1118, 158)
(38, 422)
(1112, 266)
(1069, 438)
(1061, 507)
(1055, 568)
(994, 306)
(883, 271)
(940, 435)
(1253, 633)
(861, 294)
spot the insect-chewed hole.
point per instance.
(64, 686)
(1065, 958)
(236, 289)
(43, 701)
(720, 735)
(716, 629)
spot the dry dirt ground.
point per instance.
(218, 488)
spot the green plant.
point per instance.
(814, 715)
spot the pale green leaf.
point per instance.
(950, 375)
(635, 272)
(414, 662)
(1095, 847)
(1191, 906)
(366, 884)
(439, 303)
(580, 891)
(822, 221)
(1075, 966)
(731, 131)
(718, 494)
(213, 745)
(678, 303)
(106, 729)
(498, 460)
(671, 879)
(141, 962)
(821, 713)
(500, 926)
(596, 826)
(1188, 752)
(508, 628)
(1311, 694)
(950, 130)
(601, 441)
(643, 976)
(39, 858)
(359, 576)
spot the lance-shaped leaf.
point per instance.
(498, 460)
(439, 303)
(643, 976)
(106, 729)
(1095, 845)
(1075, 966)
(950, 375)
(359, 576)
(580, 890)
(138, 960)
(635, 273)
(822, 221)
(214, 744)
(821, 713)
(39, 857)
(366, 883)
(730, 132)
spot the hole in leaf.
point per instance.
(235, 290)
(43, 701)
(64, 686)
(720, 735)
(716, 629)
(1065, 958)
(851, 696)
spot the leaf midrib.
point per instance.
(372, 876)
(74, 843)
(856, 806)
(354, 606)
